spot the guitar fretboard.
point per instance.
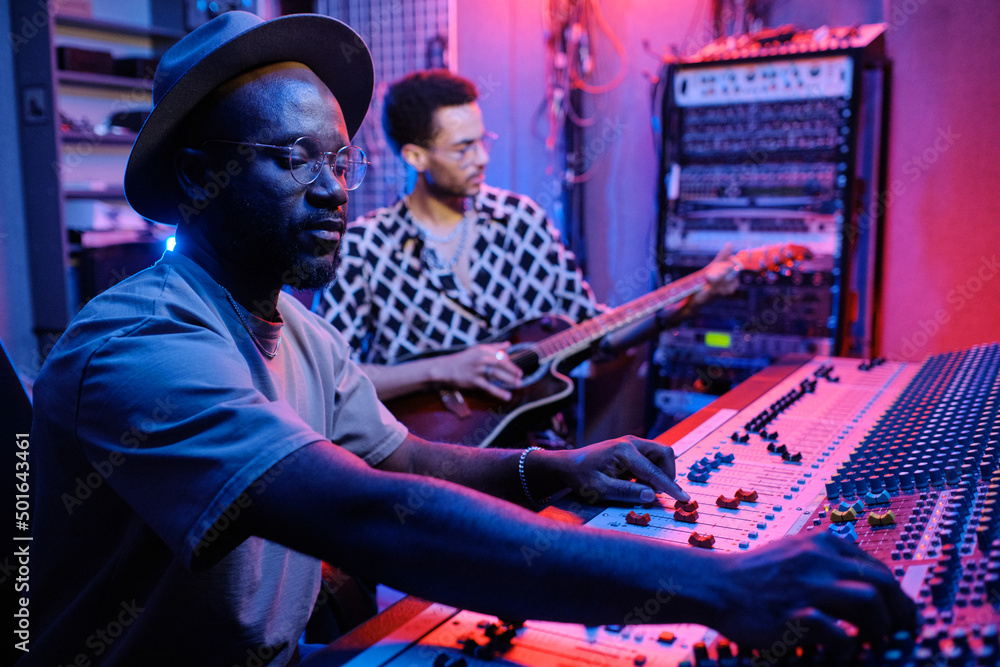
(582, 336)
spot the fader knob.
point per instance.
(983, 538)
(992, 581)
(906, 480)
(861, 485)
(952, 474)
(875, 483)
(893, 658)
(891, 481)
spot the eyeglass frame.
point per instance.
(484, 142)
(327, 154)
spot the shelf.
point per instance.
(106, 195)
(52, 96)
(114, 237)
(76, 137)
(111, 26)
(104, 80)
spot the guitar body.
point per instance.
(486, 421)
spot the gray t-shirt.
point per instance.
(154, 414)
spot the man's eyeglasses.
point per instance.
(306, 157)
(465, 154)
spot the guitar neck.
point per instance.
(582, 336)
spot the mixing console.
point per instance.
(900, 458)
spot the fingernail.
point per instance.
(647, 496)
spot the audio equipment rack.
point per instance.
(771, 140)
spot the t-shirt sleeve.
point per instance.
(187, 432)
(361, 423)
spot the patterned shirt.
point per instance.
(389, 303)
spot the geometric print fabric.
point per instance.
(389, 304)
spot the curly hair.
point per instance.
(410, 103)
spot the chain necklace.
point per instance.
(256, 341)
(442, 240)
(431, 256)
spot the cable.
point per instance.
(594, 8)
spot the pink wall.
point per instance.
(942, 290)
(942, 236)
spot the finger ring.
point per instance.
(488, 372)
(500, 355)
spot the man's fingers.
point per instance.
(625, 491)
(862, 566)
(660, 455)
(673, 489)
(861, 605)
(659, 475)
(498, 365)
(812, 627)
(493, 389)
(725, 251)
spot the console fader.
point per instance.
(901, 458)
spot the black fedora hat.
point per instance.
(216, 52)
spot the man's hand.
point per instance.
(485, 367)
(722, 276)
(604, 471)
(798, 592)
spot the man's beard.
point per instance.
(453, 191)
(272, 248)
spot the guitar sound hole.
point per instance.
(526, 360)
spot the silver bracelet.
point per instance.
(520, 472)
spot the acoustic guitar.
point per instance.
(545, 349)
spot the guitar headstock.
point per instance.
(780, 258)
